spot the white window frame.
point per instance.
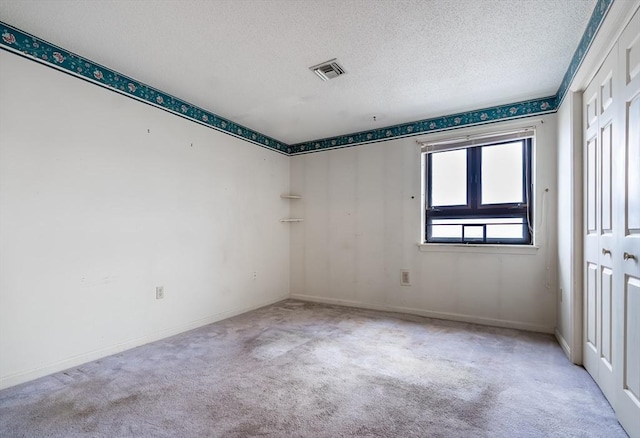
(469, 137)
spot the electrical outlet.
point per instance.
(255, 275)
(159, 292)
(405, 277)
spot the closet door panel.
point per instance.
(626, 160)
(601, 127)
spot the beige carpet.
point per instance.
(307, 370)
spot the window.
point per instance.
(478, 190)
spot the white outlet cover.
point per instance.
(405, 277)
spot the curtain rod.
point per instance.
(474, 136)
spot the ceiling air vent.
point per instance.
(328, 70)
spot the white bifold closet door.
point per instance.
(600, 127)
(611, 116)
(627, 208)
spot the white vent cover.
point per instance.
(328, 70)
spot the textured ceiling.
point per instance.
(247, 60)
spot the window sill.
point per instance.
(478, 249)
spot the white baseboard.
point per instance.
(429, 314)
(563, 343)
(25, 376)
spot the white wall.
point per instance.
(569, 317)
(101, 199)
(362, 226)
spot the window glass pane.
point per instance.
(502, 173)
(473, 232)
(506, 231)
(478, 221)
(449, 178)
(446, 232)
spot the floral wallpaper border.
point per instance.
(597, 17)
(28, 45)
(15, 40)
(487, 115)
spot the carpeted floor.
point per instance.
(309, 370)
